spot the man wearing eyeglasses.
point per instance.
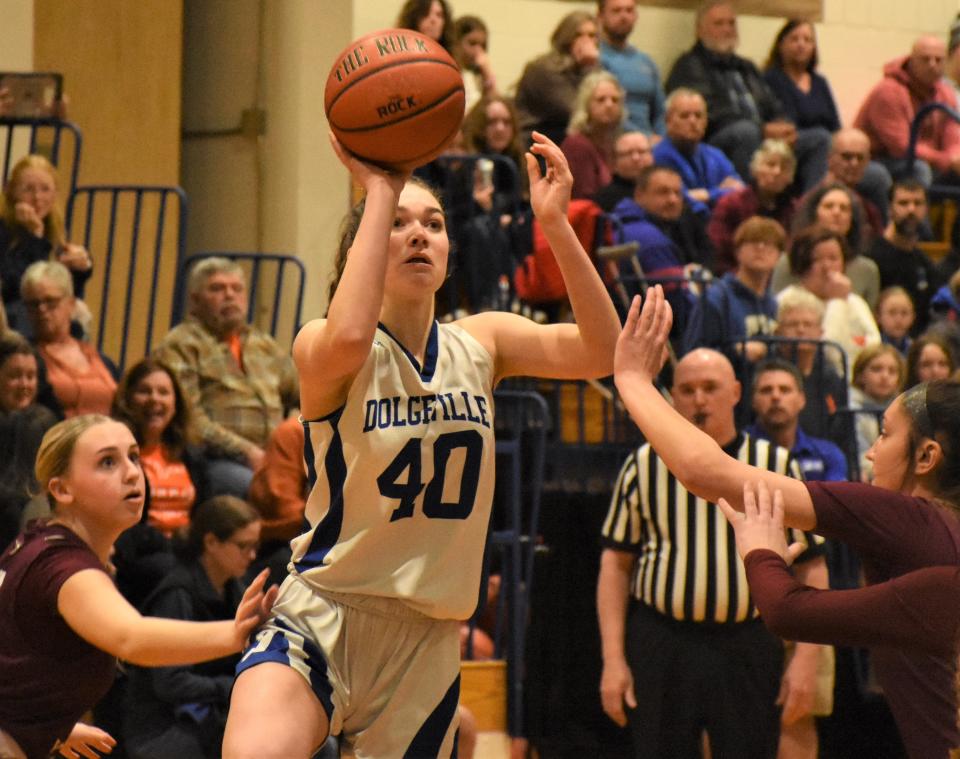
(849, 163)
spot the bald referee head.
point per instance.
(706, 391)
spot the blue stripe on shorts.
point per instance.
(426, 743)
(278, 650)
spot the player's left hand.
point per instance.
(550, 191)
(642, 346)
(254, 608)
(760, 524)
(86, 741)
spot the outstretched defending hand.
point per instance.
(86, 741)
(760, 525)
(254, 608)
(366, 174)
(550, 192)
(642, 345)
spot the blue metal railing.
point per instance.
(268, 276)
(935, 190)
(148, 225)
(522, 419)
(46, 137)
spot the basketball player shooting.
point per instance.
(398, 410)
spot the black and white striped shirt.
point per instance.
(687, 564)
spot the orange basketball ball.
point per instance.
(395, 98)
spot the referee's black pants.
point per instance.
(691, 677)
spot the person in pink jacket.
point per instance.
(908, 84)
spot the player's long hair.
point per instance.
(348, 232)
(934, 412)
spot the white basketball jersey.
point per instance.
(402, 478)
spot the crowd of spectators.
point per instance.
(788, 242)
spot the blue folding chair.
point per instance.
(274, 282)
(136, 236)
(59, 141)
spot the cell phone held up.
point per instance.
(484, 173)
(30, 95)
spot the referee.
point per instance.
(683, 648)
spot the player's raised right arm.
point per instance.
(689, 453)
(332, 350)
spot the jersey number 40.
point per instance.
(393, 485)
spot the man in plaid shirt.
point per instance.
(239, 380)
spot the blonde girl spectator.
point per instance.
(32, 229)
(895, 317)
(598, 116)
(877, 378)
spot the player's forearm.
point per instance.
(153, 642)
(595, 316)
(689, 453)
(355, 308)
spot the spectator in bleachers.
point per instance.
(152, 403)
(742, 108)
(800, 320)
(951, 73)
(778, 400)
(877, 378)
(434, 18)
(595, 124)
(181, 711)
(740, 304)
(470, 39)
(895, 317)
(771, 170)
(791, 72)
(930, 358)
(706, 172)
(849, 164)
(22, 425)
(897, 255)
(908, 84)
(817, 258)
(945, 304)
(635, 70)
(491, 226)
(18, 372)
(279, 493)
(238, 380)
(631, 155)
(31, 230)
(835, 207)
(671, 242)
(83, 380)
(548, 86)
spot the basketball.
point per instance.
(395, 98)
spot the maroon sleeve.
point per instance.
(38, 592)
(891, 531)
(918, 611)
